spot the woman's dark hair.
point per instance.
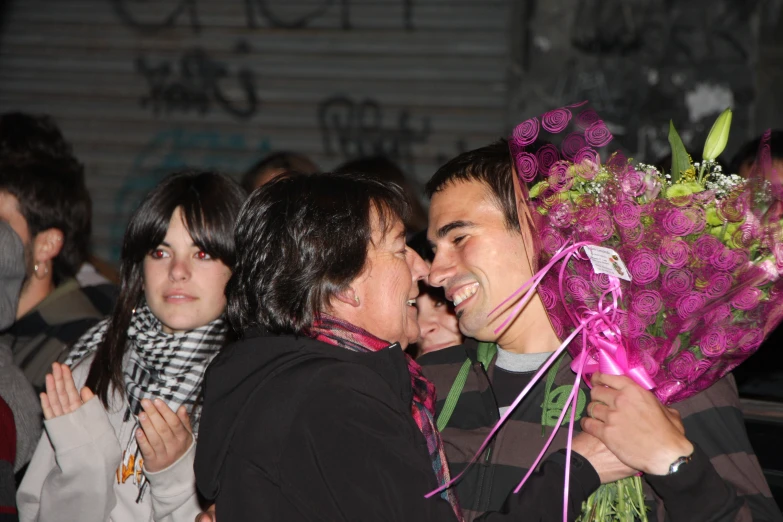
(299, 241)
(209, 204)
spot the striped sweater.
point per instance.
(712, 420)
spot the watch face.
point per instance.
(675, 466)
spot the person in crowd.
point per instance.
(322, 293)
(49, 208)
(119, 442)
(27, 138)
(436, 317)
(15, 391)
(483, 247)
(7, 458)
(274, 164)
(384, 169)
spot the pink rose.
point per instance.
(527, 166)
(556, 120)
(547, 156)
(747, 299)
(572, 144)
(526, 132)
(674, 253)
(689, 303)
(677, 281)
(597, 134)
(647, 303)
(644, 267)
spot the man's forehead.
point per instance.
(457, 201)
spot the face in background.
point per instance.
(437, 320)
(478, 261)
(387, 287)
(184, 286)
(777, 164)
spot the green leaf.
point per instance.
(681, 162)
(718, 136)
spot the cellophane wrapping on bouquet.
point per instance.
(703, 249)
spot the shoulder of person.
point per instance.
(722, 394)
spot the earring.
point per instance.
(356, 298)
(35, 270)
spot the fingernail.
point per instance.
(142, 416)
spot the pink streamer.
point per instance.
(601, 333)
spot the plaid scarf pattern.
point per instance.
(159, 365)
(334, 331)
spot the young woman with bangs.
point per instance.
(121, 414)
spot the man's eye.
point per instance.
(457, 240)
(203, 256)
(439, 303)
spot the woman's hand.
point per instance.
(61, 397)
(164, 436)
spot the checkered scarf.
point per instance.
(159, 365)
(334, 331)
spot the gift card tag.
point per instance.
(607, 261)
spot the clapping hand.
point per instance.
(61, 397)
(164, 436)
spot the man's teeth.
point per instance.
(411, 302)
(465, 293)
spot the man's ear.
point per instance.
(527, 226)
(47, 245)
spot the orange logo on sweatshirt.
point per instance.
(130, 469)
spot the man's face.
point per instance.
(478, 261)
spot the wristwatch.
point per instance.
(675, 466)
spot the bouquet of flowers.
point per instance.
(670, 278)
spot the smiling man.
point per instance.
(484, 249)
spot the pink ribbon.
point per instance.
(603, 350)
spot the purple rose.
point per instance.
(677, 223)
(699, 369)
(572, 144)
(556, 120)
(630, 325)
(674, 253)
(751, 340)
(587, 118)
(747, 299)
(632, 235)
(551, 240)
(587, 155)
(547, 297)
(526, 132)
(650, 365)
(627, 214)
(647, 302)
(561, 215)
(578, 288)
(718, 284)
(596, 223)
(682, 365)
(726, 259)
(689, 303)
(644, 267)
(645, 343)
(677, 281)
(527, 166)
(713, 343)
(597, 134)
(718, 314)
(547, 156)
(560, 178)
(697, 218)
(601, 282)
(745, 235)
(706, 246)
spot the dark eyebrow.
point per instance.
(448, 227)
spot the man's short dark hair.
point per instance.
(490, 165)
(299, 241)
(748, 152)
(52, 197)
(26, 138)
